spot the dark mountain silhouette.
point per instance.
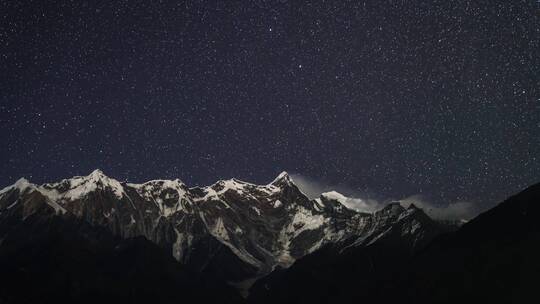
(65, 260)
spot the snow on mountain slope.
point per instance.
(170, 196)
(79, 186)
(352, 203)
(21, 184)
(234, 228)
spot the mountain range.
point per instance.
(90, 238)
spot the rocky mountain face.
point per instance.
(232, 230)
(491, 259)
(337, 271)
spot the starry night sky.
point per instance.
(389, 98)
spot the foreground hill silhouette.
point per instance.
(65, 260)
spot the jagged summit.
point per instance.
(97, 173)
(334, 195)
(283, 179)
(98, 177)
(282, 176)
(21, 184)
(394, 208)
(95, 176)
(341, 201)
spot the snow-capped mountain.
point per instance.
(232, 229)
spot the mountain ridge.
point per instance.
(232, 229)
(492, 258)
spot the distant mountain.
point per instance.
(232, 231)
(491, 259)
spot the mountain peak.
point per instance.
(282, 178)
(283, 174)
(79, 186)
(97, 174)
(393, 208)
(337, 201)
(333, 194)
(21, 184)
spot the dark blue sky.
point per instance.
(390, 98)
